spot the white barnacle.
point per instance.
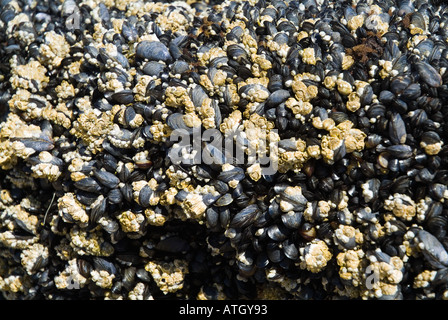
(70, 277)
(31, 256)
(387, 277)
(102, 278)
(169, 277)
(130, 222)
(366, 192)
(71, 210)
(91, 243)
(401, 205)
(350, 262)
(308, 56)
(254, 171)
(138, 292)
(46, 169)
(424, 279)
(348, 237)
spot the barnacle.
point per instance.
(310, 160)
(168, 276)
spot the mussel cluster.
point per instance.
(347, 98)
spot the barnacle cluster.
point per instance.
(223, 149)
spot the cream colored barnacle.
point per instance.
(355, 22)
(140, 88)
(130, 222)
(71, 210)
(401, 205)
(254, 171)
(424, 279)
(309, 56)
(154, 218)
(354, 102)
(138, 292)
(328, 146)
(353, 139)
(31, 256)
(171, 19)
(89, 243)
(9, 240)
(160, 131)
(262, 62)
(5, 197)
(65, 90)
(388, 277)
(207, 114)
(302, 91)
(348, 237)
(347, 61)
(299, 107)
(12, 283)
(431, 149)
(193, 206)
(344, 87)
(91, 128)
(28, 75)
(102, 278)
(350, 266)
(70, 277)
(330, 82)
(45, 168)
(230, 125)
(54, 50)
(19, 213)
(386, 68)
(169, 277)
